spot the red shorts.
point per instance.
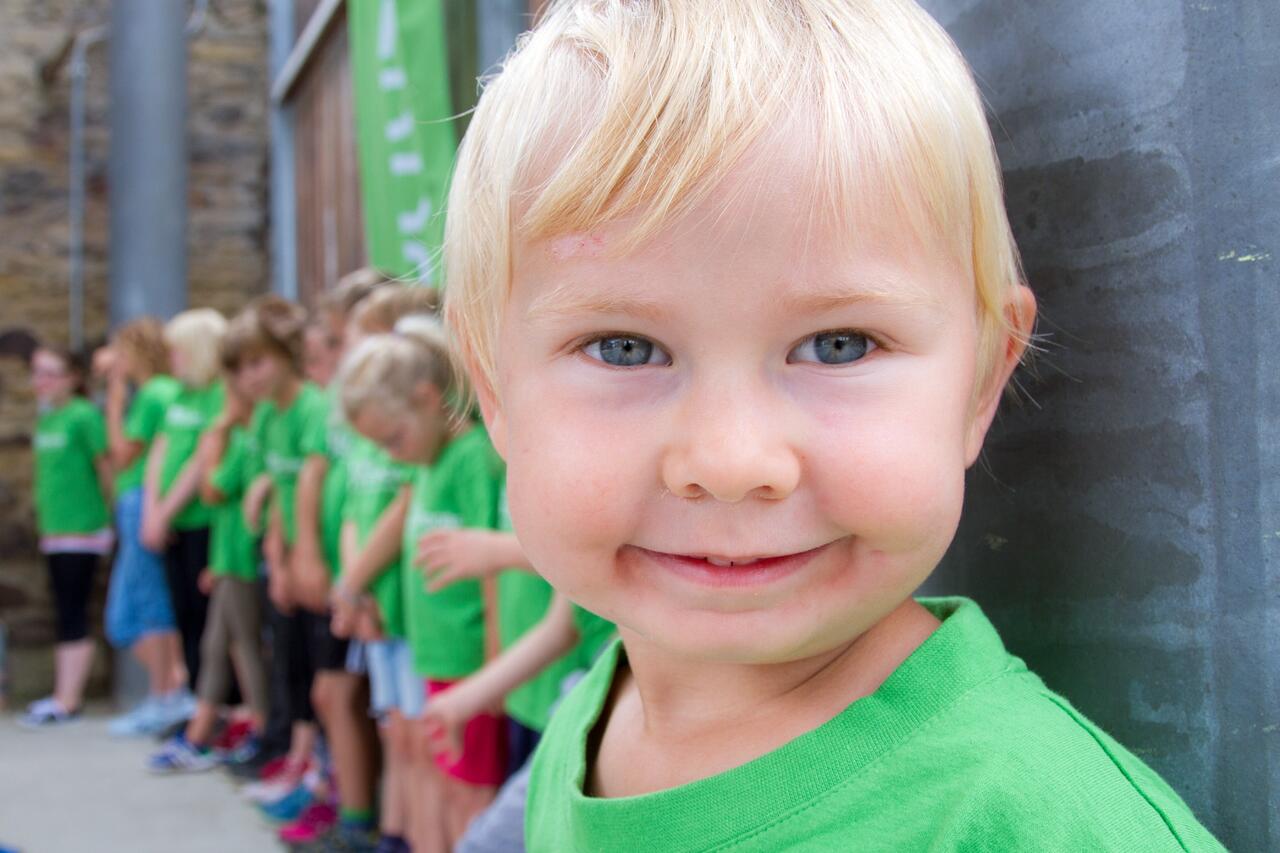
(484, 746)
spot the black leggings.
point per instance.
(291, 668)
(186, 557)
(70, 583)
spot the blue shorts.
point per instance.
(393, 685)
(138, 601)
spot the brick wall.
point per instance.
(227, 186)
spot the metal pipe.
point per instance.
(79, 71)
(284, 200)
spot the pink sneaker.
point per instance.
(315, 820)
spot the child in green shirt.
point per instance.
(738, 295)
(234, 626)
(174, 519)
(139, 612)
(397, 390)
(72, 485)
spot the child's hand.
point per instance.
(255, 500)
(455, 554)
(344, 607)
(280, 592)
(369, 623)
(445, 719)
(310, 580)
(206, 581)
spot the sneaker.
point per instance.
(392, 844)
(276, 785)
(262, 766)
(142, 721)
(47, 713)
(291, 805)
(245, 751)
(232, 735)
(349, 839)
(176, 708)
(179, 755)
(315, 820)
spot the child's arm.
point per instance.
(213, 447)
(255, 500)
(450, 555)
(123, 449)
(370, 561)
(153, 534)
(310, 573)
(542, 645)
(279, 587)
(182, 491)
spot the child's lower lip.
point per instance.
(758, 572)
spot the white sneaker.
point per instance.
(176, 707)
(47, 713)
(143, 720)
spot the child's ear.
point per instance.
(1020, 314)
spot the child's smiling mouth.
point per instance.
(723, 569)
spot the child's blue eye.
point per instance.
(626, 351)
(840, 347)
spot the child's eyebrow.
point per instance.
(562, 301)
(832, 295)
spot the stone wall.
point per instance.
(227, 140)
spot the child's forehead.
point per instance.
(776, 191)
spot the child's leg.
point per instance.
(71, 580)
(429, 823)
(215, 675)
(155, 651)
(339, 699)
(393, 819)
(244, 621)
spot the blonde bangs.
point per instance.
(639, 108)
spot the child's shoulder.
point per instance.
(960, 747)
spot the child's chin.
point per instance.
(731, 639)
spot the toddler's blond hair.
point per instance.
(613, 108)
(197, 334)
(388, 368)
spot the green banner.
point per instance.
(403, 108)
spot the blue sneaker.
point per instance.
(179, 755)
(290, 806)
(142, 721)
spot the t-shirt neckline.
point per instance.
(961, 653)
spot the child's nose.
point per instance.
(731, 443)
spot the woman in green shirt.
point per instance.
(139, 612)
(72, 480)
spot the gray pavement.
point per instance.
(76, 789)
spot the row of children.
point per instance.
(323, 476)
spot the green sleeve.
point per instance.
(255, 442)
(229, 476)
(94, 431)
(478, 489)
(315, 429)
(146, 413)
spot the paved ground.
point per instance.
(76, 789)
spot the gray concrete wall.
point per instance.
(1124, 530)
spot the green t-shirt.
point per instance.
(373, 481)
(961, 748)
(142, 422)
(332, 438)
(232, 549)
(69, 497)
(523, 599)
(280, 439)
(189, 414)
(446, 628)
